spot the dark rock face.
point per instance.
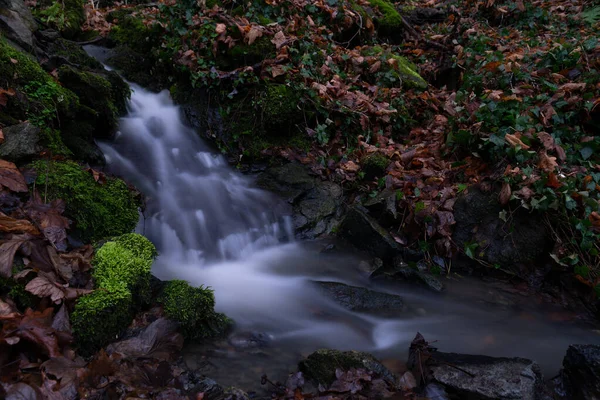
(17, 23)
(360, 229)
(317, 205)
(514, 244)
(21, 143)
(491, 378)
(361, 299)
(581, 371)
(320, 366)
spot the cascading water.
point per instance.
(213, 228)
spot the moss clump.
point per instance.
(100, 317)
(391, 21)
(122, 274)
(375, 165)
(99, 210)
(73, 52)
(131, 31)
(16, 291)
(193, 309)
(126, 259)
(245, 54)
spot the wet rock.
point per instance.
(317, 205)
(403, 273)
(484, 378)
(360, 229)
(17, 23)
(360, 299)
(249, 340)
(581, 371)
(383, 207)
(320, 366)
(21, 143)
(514, 245)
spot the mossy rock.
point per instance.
(126, 259)
(193, 309)
(280, 111)
(98, 210)
(244, 54)
(131, 31)
(320, 366)
(390, 23)
(375, 165)
(73, 53)
(97, 93)
(100, 317)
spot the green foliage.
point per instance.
(592, 15)
(66, 16)
(374, 165)
(193, 309)
(100, 317)
(99, 210)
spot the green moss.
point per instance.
(73, 52)
(391, 22)
(127, 259)
(98, 210)
(280, 112)
(407, 71)
(375, 165)
(16, 291)
(244, 54)
(193, 309)
(131, 31)
(100, 317)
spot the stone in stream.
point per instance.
(581, 371)
(21, 143)
(360, 299)
(477, 377)
(320, 366)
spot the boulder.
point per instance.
(485, 378)
(515, 245)
(360, 299)
(21, 143)
(320, 366)
(17, 23)
(581, 371)
(383, 207)
(317, 205)
(361, 230)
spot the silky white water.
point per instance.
(214, 228)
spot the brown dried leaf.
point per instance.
(221, 28)
(8, 311)
(279, 39)
(7, 253)
(11, 177)
(568, 87)
(35, 328)
(49, 219)
(9, 224)
(546, 162)
(255, 33)
(505, 192)
(515, 141)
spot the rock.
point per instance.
(360, 229)
(17, 23)
(402, 272)
(249, 340)
(317, 205)
(360, 299)
(514, 245)
(21, 143)
(320, 366)
(581, 371)
(383, 207)
(493, 378)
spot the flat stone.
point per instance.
(21, 142)
(17, 23)
(488, 377)
(361, 299)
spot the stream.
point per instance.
(213, 227)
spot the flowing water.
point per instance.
(213, 227)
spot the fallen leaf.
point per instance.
(12, 225)
(546, 162)
(11, 178)
(515, 141)
(7, 311)
(279, 39)
(505, 192)
(221, 28)
(255, 33)
(7, 253)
